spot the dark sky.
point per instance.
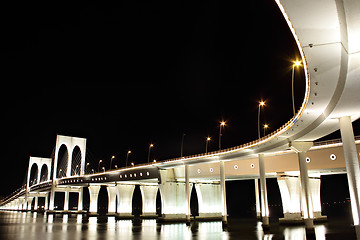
(139, 72)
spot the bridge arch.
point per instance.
(62, 161)
(76, 161)
(44, 173)
(34, 172)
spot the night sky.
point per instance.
(141, 72)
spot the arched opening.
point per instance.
(103, 201)
(194, 202)
(158, 203)
(44, 173)
(137, 202)
(76, 161)
(62, 163)
(33, 174)
(73, 200)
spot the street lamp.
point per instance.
(208, 139)
(127, 157)
(222, 124)
(87, 164)
(150, 146)
(99, 165)
(266, 126)
(111, 161)
(261, 104)
(296, 64)
(103, 168)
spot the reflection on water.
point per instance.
(31, 226)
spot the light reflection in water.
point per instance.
(32, 226)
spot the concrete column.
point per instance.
(80, 199)
(290, 191)
(148, 194)
(352, 168)
(94, 193)
(36, 203)
(223, 192)
(125, 200)
(29, 201)
(173, 197)
(210, 202)
(301, 148)
(46, 206)
(52, 196)
(263, 193)
(187, 193)
(66, 200)
(112, 193)
(257, 199)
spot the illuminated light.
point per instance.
(333, 157)
(120, 176)
(252, 165)
(134, 174)
(130, 175)
(125, 176)
(208, 138)
(222, 123)
(211, 169)
(147, 173)
(308, 160)
(236, 167)
(261, 103)
(151, 145)
(140, 174)
(297, 63)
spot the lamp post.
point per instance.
(266, 126)
(296, 64)
(222, 124)
(127, 157)
(208, 139)
(111, 161)
(182, 145)
(99, 165)
(87, 164)
(261, 104)
(150, 146)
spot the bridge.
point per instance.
(327, 33)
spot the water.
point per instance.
(38, 226)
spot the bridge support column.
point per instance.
(187, 192)
(301, 148)
(66, 200)
(29, 201)
(223, 193)
(352, 168)
(173, 197)
(290, 191)
(209, 197)
(94, 193)
(46, 206)
(36, 199)
(257, 199)
(112, 193)
(80, 199)
(125, 200)
(263, 193)
(148, 194)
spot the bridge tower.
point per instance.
(70, 144)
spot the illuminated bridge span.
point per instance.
(327, 33)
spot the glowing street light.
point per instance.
(222, 124)
(296, 64)
(208, 139)
(261, 104)
(150, 146)
(99, 165)
(111, 161)
(127, 157)
(266, 126)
